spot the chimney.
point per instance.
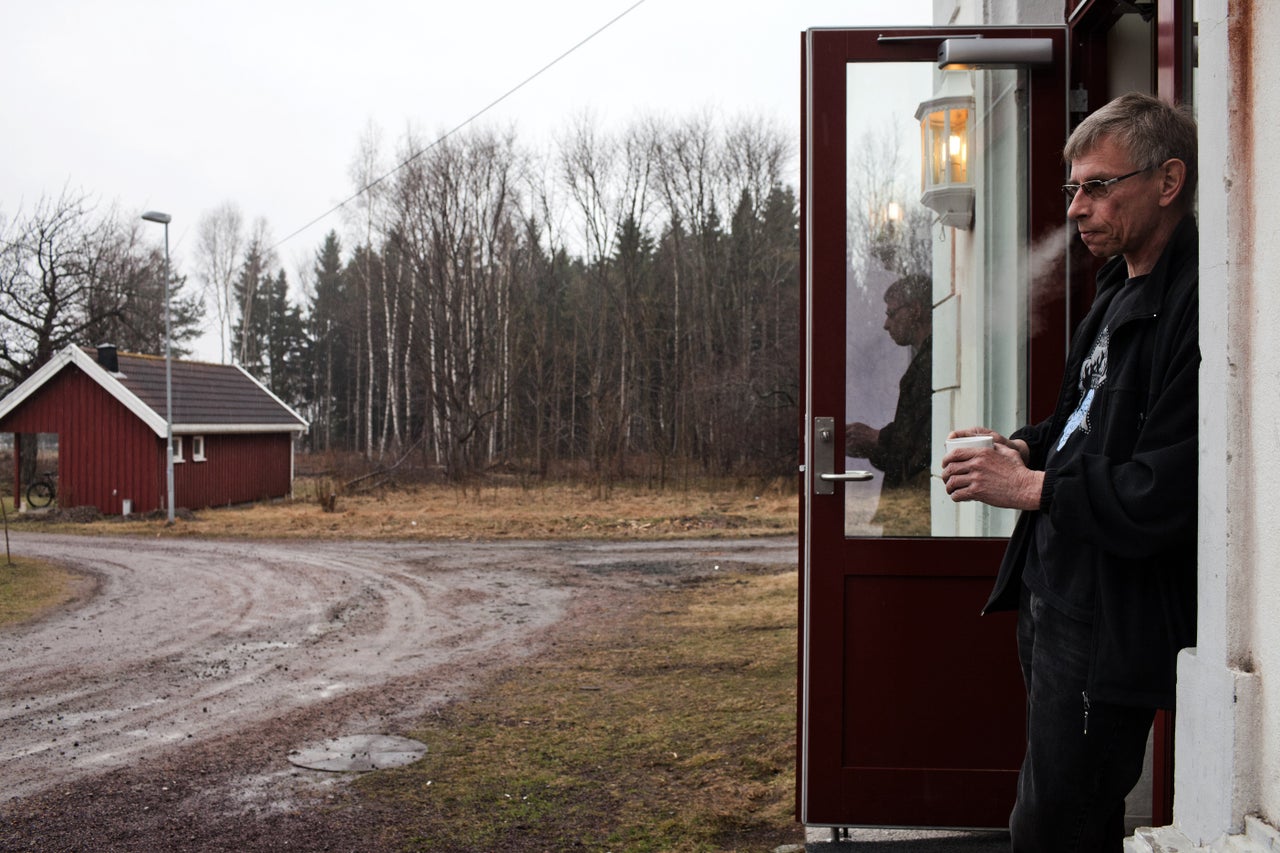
(107, 358)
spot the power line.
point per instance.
(526, 81)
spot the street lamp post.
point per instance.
(164, 219)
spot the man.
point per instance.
(901, 448)
(1101, 565)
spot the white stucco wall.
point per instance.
(1228, 730)
(997, 12)
(1260, 595)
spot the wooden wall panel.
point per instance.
(237, 469)
(105, 453)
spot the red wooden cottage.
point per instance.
(232, 438)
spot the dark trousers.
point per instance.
(1083, 757)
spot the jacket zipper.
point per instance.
(1085, 695)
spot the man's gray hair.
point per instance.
(915, 289)
(1149, 129)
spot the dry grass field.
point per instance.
(495, 508)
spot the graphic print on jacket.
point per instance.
(1093, 375)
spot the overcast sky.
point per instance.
(181, 105)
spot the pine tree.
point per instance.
(329, 348)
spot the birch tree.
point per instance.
(368, 173)
(455, 208)
(219, 244)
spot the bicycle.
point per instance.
(43, 490)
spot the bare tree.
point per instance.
(726, 254)
(757, 154)
(50, 263)
(367, 173)
(609, 179)
(688, 173)
(545, 406)
(219, 244)
(888, 230)
(127, 305)
(455, 212)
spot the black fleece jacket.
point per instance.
(1125, 507)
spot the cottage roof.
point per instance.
(207, 398)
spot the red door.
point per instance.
(934, 245)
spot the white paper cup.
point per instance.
(972, 442)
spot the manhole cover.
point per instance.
(359, 753)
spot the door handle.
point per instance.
(824, 459)
(847, 477)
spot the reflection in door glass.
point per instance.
(935, 281)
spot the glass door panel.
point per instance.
(936, 236)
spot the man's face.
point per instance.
(899, 319)
(1124, 222)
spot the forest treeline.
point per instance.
(622, 303)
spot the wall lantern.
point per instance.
(946, 131)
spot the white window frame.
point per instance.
(197, 448)
(177, 450)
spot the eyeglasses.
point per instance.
(1097, 189)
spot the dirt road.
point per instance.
(214, 659)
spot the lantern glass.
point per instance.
(944, 137)
(931, 131)
(958, 145)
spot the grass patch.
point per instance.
(670, 728)
(29, 588)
